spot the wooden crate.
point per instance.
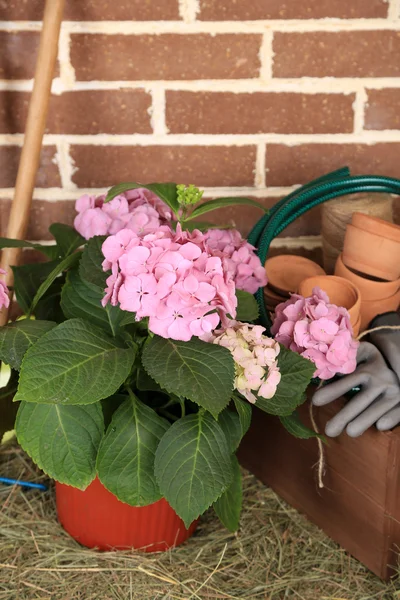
(360, 505)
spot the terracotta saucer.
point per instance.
(286, 271)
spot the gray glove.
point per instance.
(380, 393)
(388, 342)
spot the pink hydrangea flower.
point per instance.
(319, 331)
(171, 278)
(239, 258)
(4, 293)
(255, 355)
(138, 210)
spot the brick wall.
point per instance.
(239, 97)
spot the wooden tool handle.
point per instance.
(35, 125)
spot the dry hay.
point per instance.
(276, 555)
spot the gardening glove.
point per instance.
(380, 393)
(388, 342)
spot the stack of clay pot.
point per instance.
(371, 261)
(285, 272)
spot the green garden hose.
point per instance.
(333, 185)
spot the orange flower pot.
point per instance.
(340, 291)
(371, 253)
(370, 310)
(369, 289)
(97, 519)
(286, 271)
(391, 231)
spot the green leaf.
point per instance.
(293, 425)
(193, 465)
(65, 264)
(195, 370)
(90, 268)
(80, 300)
(245, 412)
(230, 424)
(221, 203)
(165, 191)
(228, 507)
(247, 308)
(296, 374)
(125, 463)
(62, 440)
(50, 251)
(74, 363)
(27, 280)
(67, 238)
(17, 337)
(8, 408)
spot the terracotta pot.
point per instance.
(369, 289)
(340, 291)
(376, 225)
(370, 310)
(97, 519)
(371, 253)
(286, 271)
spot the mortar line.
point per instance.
(259, 178)
(266, 55)
(65, 164)
(56, 194)
(188, 10)
(323, 85)
(158, 118)
(359, 106)
(191, 26)
(368, 137)
(394, 10)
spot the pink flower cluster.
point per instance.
(138, 210)
(239, 258)
(255, 356)
(171, 278)
(4, 293)
(319, 331)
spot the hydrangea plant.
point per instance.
(140, 358)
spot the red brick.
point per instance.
(245, 217)
(339, 54)
(290, 165)
(383, 109)
(93, 10)
(240, 10)
(82, 112)
(224, 112)
(18, 54)
(102, 166)
(167, 56)
(41, 216)
(48, 174)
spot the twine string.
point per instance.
(337, 214)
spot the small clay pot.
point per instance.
(391, 231)
(286, 271)
(340, 291)
(372, 254)
(369, 289)
(370, 310)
